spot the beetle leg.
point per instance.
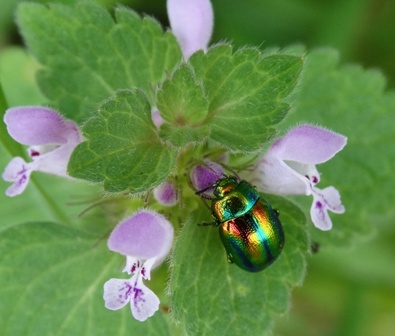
(215, 224)
(207, 197)
(201, 193)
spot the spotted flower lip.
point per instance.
(145, 239)
(192, 23)
(289, 168)
(51, 138)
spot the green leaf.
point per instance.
(88, 55)
(180, 136)
(351, 100)
(246, 92)
(17, 70)
(52, 284)
(181, 99)
(123, 150)
(183, 105)
(211, 297)
(8, 143)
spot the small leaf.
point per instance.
(89, 55)
(52, 284)
(246, 92)
(183, 105)
(181, 136)
(211, 297)
(122, 150)
(181, 100)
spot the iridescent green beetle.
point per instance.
(249, 227)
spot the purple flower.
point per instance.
(156, 118)
(288, 167)
(205, 175)
(166, 194)
(192, 23)
(145, 239)
(51, 138)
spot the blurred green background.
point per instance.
(347, 291)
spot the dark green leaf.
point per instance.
(123, 150)
(246, 92)
(183, 105)
(52, 284)
(87, 55)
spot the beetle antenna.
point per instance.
(215, 224)
(200, 192)
(232, 171)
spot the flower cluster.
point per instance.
(145, 238)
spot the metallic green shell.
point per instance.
(254, 240)
(235, 202)
(249, 228)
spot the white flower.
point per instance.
(51, 138)
(288, 167)
(145, 239)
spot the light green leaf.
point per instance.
(9, 144)
(351, 100)
(52, 284)
(88, 55)
(181, 98)
(17, 69)
(180, 136)
(183, 105)
(123, 150)
(211, 297)
(246, 92)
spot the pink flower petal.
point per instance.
(324, 200)
(117, 293)
(144, 302)
(276, 177)
(17, 171)
(192, 23)
(288, 167)
(166, 194)
(308, 144)
(134, 265)
(35, 125)
(205, 175)
(332, 199)
(55, 162)
(309, 171)
(146, 234)
(319, 215)
(148, 266)
(156, 118)
(52, 139)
